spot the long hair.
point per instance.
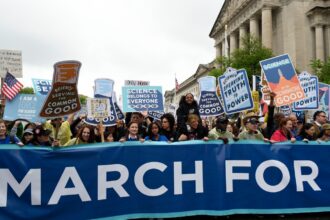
(91, 138)
(303, 132)
(170, 118)
(150, 134)
(283, 128)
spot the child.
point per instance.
(153, 133)
(132, 133)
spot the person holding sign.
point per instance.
(60, 130)
(187, 105)
(195, 131)
(85, 136)
(153, 133)
(5, 138)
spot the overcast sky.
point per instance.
(118, 39)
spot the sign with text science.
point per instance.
(282, 80)
(11, 61)
(209, 103)
(42, 86)
(159, 180)
(310, 85)
(142, 98)
(24, 106)
(63, 98)
(235, 91)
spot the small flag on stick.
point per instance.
(11, 86)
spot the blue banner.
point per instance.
(25, 107)
(151, 180)
(310, 85)
(142, 98)
(42, 86)
(209, 103)
(235, 91)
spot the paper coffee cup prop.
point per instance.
(63, 98)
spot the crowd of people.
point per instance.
(189, 125)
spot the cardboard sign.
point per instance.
(42, 86)
(104, 87)
(209, 103)
(11, 61)
(310, 85)
(324, 98)
(235, 91)
(282, 80)
(24, 106)
(136, 83)
(63, 98)
(98, 107)
(142, 98)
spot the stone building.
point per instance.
(300, 28)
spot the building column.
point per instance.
(266, 27)
(319, 38)
(233, 42)
(254, 27)
(242, 34)
(224, 48)
(328, 41)
(218, 50)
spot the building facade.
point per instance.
(300, 28)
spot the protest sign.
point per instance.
(324, 90)
(42, 86)
(98, 107)
(136, 83)
(156, 115)
(286, 110)
(104, 87)
(282, 80)
(25, 107)
(119, 112)
(160, 180)
(172, 109)
(107, 121)
(256, 101)
(63, 98)
(11, 61)
(209, 103)
(142, 98)
(310, 85)
(235, 91)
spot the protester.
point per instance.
(85, 135)
(295, 130)
(325, 133)
(232, 128)
(319, 119)
(153, 133)
(42, 137)
(64, 132)
(284, 132)
(27, 138)
(5, 138)
(251, 132)
(220, 132)
(167, 127)
(187, 105)
(307, 133)
(273, 120)
(195, 131)
(132, 133)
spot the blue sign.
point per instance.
(142, 98)
(120, 114)
(159, 180)
(235, 91)
(324, 91)
(108, 121)
(156, 115)
(26, 107)
(104, 87)
(42, 86)
(209, 103)
(310, 85)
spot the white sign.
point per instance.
(136, 83)
(98, 107)
(11, 61)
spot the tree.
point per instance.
(27, 90)
(322, 70)
(83, 99)
(247, 57)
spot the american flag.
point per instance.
(11, 86)
(177, 86)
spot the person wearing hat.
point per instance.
(27, 137)
(64, 131)
(325, 133)
(251, 122)
(219, 132)
(42, 137)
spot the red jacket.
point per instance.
(279, 136)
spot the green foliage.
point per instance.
(27, 90)
(83, 99)
(322, 70)
(247, 58)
